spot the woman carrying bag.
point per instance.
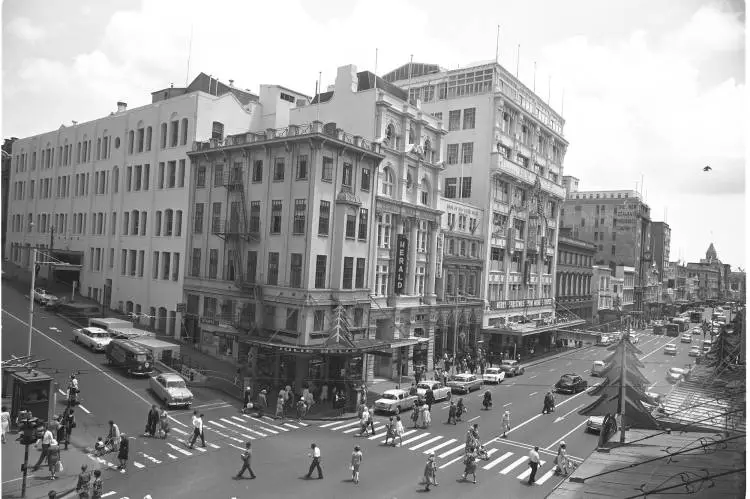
(53, 459)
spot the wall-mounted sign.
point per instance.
(439, 257)
(402, 248)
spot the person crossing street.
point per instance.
(247, 461)
(534, 464)
(451, 413)
(315, 464)
(197, 430)
(356, 462)
(506, 423)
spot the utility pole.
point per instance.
(623, 372)
(32, 297)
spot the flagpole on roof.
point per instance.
(190, 51)
(497, 44)
(535, 78)
(320, 91)
(518, 59)
(411, 63)
(375, 120)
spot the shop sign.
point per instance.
(439, 257)
(402, 247)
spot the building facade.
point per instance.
(661, 236)
(281, 238)
(407, 216)
(618, 222)
(574, 279)
(601, 289)
(707, 280)
(504, 150)
(109, 198)
(458, 282)
(628, 276)
(7, 160)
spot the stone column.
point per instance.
(411, 268)
(429, 286)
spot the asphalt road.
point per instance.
(166, 469)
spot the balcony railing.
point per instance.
(525, 303)
(505, 165)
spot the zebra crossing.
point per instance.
(224, 431)
(449, 451)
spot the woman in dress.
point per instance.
(122, 454)
(470, 466)
(415, 414)
(53, 457)
(561, 460)
(356, 461)
(426, 417)
(460, 409)
(280, 405)
(4, 422)
(399, 432)
(430, 471)
(83, 486)
(164, 423)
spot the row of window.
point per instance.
(546, 145)
(497, 260)
(382, 285)
(454, 119)
(496, 292)
(385, 229)
(456, 247)
(462, 225)
(467, 153)
(577, 259)
(451, 184)
(573, 284)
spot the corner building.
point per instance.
(406, 224)
(504, 151)
(110, 198)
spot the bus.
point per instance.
(696, 316)
(672, 329)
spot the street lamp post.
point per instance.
(31, 298)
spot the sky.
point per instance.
(649, 89)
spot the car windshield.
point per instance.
(492, 370)
(99, 335)
(567, 378)
(460, 377)
(390, 396)
(424, 386)
(176, 383)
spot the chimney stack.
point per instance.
(74, 122)
(231, 83)
(122, 107)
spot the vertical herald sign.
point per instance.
(402, 249)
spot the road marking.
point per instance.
(455, 449)
(546, 476)
(248, 429)
(506, 405)
(523, 424)
(244, 428)
(213, 446)
(560, 418)
(532, 377)
(291, 426)
(111, 492)
(451, 462)
(515, 463)
(421, 435)
(172, 456)
(61, 392)
(409, 432)
(83, 409)
(552, 370)
(213, 405)
(426, 442)
(180, 431)
(529, 447)
(152, 459)
(280, 428)
(444, 444)
(526, 473)
(472, 419)
(347, 425)
(352, 430)
(328, 424)
(532, 394)
(137, 465)
(497, 461)
(182, 451)
(376, 436)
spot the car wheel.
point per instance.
(397, 411)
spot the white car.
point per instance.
(465, 383)
(695, 351)
(493, 375)
(395, 401)
(677, 374)
(686, 338)
(94, 338)
(670, 349)
(439, 391)
(42, 297)
(171, 388)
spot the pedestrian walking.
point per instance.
(197, 430)
(561, 460)
(163, 424)
(451, 413)
(390, 431)
(413, 389)
(114, 436)
(4, 422)
(247, 403)
(356, 461)
(371, 419)
(415, 414)
(534, 464)
(460, 409)
(429, 398)
(430, 471)
(426, 416)
(363, 422)
(97, 486)
(470, 466)
(399, 432)
(83, 485)
(53, 459)
(506, 423)
(68, 422)
(47, 439)
(315, 464)
(280, 405)
(247, 461)
(152, 420)
(122, 453)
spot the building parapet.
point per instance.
(525, 303)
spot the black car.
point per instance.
(571, 383)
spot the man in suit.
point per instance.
(247, 459)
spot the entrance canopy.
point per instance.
(529, 330)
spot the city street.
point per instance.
(386, 471)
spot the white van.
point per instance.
(597, 368)
(108, 323)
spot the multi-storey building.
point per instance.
(110, 197)
(618, 222)
(458, 282)
(573, 291)
(708, 278)
(280, 248)
(504, 150)
(406, 226)
(602, 290)
(628, 276)
(661, 235)
(737, 286)
(6, 166)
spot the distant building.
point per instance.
(6, 167)
(628, 276)
(737, 286)
(601, 288)
(618, 223)
(574, 277)
(712, 275)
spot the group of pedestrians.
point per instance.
(157, 423)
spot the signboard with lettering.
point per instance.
(402, 249)
(439, 257)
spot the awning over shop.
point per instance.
(531, 330)
(356, 346)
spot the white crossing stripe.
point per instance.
(152, 459)
(526, 473)
(516, 463)
(171, 455)
(377, 436)
(303, 424)
(137, 465)
(455, 449)
(111, 492)
(291, 426)
(546, 476)
(497, 461)
(200, 449)
(426, 442)
(84, 409)
(280, 428)
(347, 425)
(451, 462)
(216, 423)
(225, 436)
(351, 430)
(213, 446)
(244, 428)
(408, 433)
(421, 435)
(182, 451)
(440, 446)
(180, 431)
(329, 424)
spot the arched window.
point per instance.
(162, 320)
(129, 307)
(184, 131)
(148, 138)
(428, 150)
(412, 134)
(462, 251)
(163, 137)
(387, 188)
(131, 140)
(168, 222)
(424, 191)
(116, 178)
(390, 134)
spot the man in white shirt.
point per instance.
(46, 442)
(534, 463)
(315, 464)
(197, 429)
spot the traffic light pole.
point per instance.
(25, 470)
(31, 304)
